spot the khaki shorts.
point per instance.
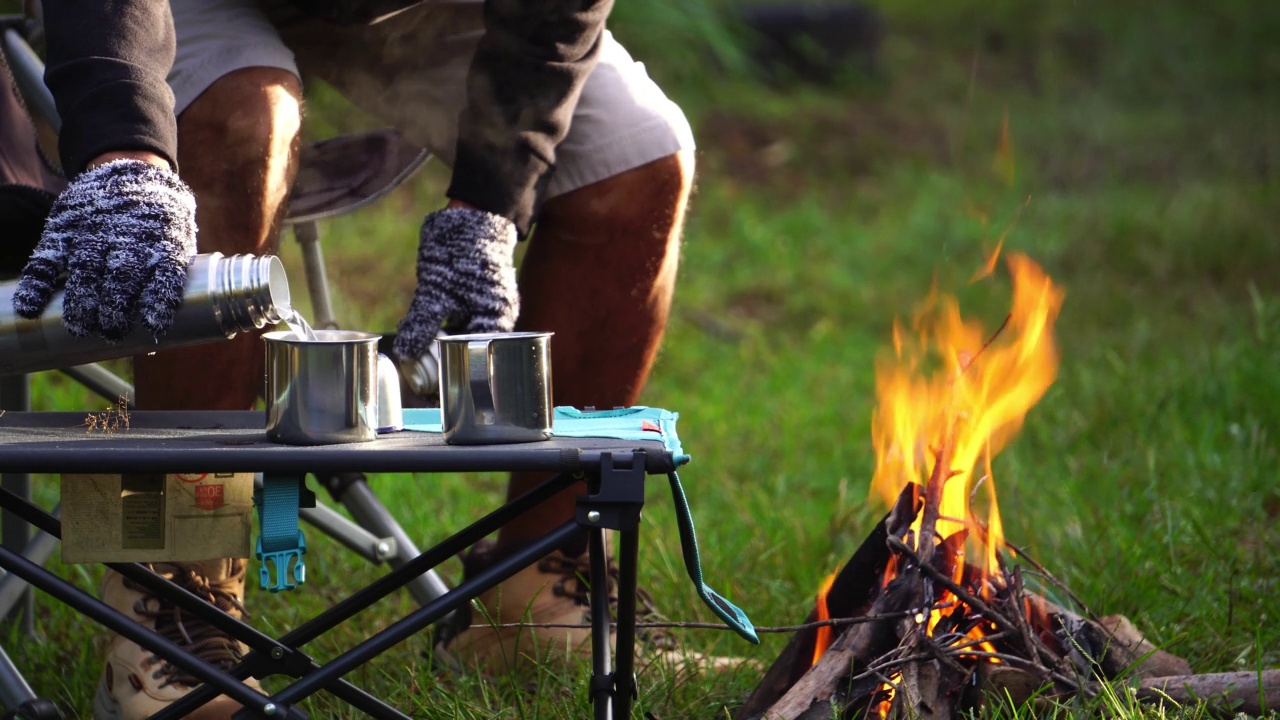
(409, 70)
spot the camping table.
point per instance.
(223, 441)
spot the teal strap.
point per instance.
(280, 540)
(728, 612)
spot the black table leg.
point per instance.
(365, 597)
(625, 657)
(602, 687)
(112, 619)
(426, 615)
(613, 501)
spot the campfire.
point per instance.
(941, 614)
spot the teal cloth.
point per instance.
(633, 423)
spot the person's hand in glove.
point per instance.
(466, 275)
(124, 233)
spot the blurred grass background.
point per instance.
(1132, 149)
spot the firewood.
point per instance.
(921, 693)
(851, 595)
(817, 687)
(1112, 643)
(855, 648)
(904, 511)
(821, 712)
(796, 658)
(1133, 650)
(1251, 693)
(1000, 685)
(932, 509)
(1037, 651)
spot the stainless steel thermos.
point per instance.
(224, 295)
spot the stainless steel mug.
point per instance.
(495, 388)
(322, 391)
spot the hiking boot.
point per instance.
(521, 621)
(137, 684)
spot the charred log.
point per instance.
(852, 593)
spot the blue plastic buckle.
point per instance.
(281, 559)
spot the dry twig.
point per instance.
(113, 419)
(832, 622)
(1044, 653)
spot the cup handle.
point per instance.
(478, 374)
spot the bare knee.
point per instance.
(246, 113)
(652, 196)
(237, 148)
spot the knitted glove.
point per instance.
(123, 233)
(466, 276)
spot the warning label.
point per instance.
(209, 497)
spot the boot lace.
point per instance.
(190, 632)
(574, 584)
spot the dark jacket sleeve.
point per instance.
(523, 86)
(106, 66)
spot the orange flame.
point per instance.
(890, 689)
(822, 640)
(955, 391)
(956, 384)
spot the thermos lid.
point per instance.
(390, 413)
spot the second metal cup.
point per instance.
(495, 388)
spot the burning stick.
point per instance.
(1035, 647)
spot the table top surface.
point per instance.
(236, 441)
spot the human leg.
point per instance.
(239, 114)
(600, 273)
(237, 149)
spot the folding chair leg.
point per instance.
(15, 395)
(13, 589)
(322, 314)
(18, 699)
(353, 492)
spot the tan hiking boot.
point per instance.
(137, 684)
(550, 593)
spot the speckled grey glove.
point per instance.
(123, 233)
(466, 275)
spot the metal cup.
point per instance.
(322, 391)
(495, 388)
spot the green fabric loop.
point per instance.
(732, 616)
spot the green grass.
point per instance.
(1143, 174)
